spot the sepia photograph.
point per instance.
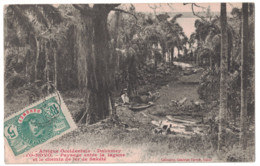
(129, 83)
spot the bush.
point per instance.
(239, 155)
(209, 85)
(209, 88)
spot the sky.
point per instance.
(186, 22)
(179, 7)
(188, 25)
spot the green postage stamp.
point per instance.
(38, 124)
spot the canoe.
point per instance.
(140, 107)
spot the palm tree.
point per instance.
(208, 36)
(34, 21)
(153, 35)
(31, 23)
(174, 33)
(211, 47)
(202, 30)
(192, 41)
(244, 57)
(18, 34)
(223, 78)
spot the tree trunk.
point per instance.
(98, 99)
(116, 30)
(172, 54)
(37, 58)
(210, 61)
(155, 59)
(197, 58)
(155, 64)
(164, 54)
(244, 57)
(99, 79)
(131, 73)
(223, 78)
(47, 67)
(55, 68)
(26, 64)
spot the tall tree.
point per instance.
(244, 57)
(223, 77)
(55, 68)
(174, 33)
(33, 21)
(100, 68)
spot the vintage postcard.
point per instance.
(129, 83)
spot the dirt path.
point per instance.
(185, 86)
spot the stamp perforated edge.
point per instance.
(66, 113)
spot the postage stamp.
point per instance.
(38, 124)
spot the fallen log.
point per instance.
(166, 127)
(132, 129)
(144, 114)
(176, 131)
(182, 101)
(184, 132)
(156, 123)
(151, 116)
(188, 118)
(158, 130)
(187, 114)
(166, 124)
(179, 120)
(171, 124)
(198, 131)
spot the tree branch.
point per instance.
(192, 8)
(170, 6)
(79, 7)
(110, 7)
(123, 11)
(198, 6)
(154, 7)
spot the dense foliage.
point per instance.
(209, 84)
(41, 49)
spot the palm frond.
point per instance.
(52, 14)
(19, 18)
(36, 12)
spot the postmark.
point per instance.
(37, 124)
